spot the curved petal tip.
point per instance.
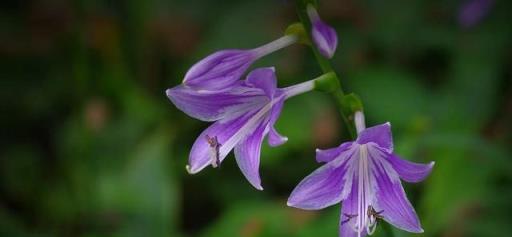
(259, 187)
(189, 170)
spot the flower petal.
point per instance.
(274, 138)
(348, 214)
(380, 134)
(322, 188)
(331, 154)
(265, 79)
(391, 199)
(247, 154)
(410, 171)
(201, 152)
(219, 70)
(212, 106)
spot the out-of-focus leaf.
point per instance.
(298, 112)
(390, 95)
(143, 195)
(252, 219)
(460, 182)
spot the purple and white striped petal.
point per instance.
(213, 106)
(348, 214)
(331, 154)
(247, 154)
(202, 153)
(409, 171)
(324, 36)
(274, 138)
(326, 186)
(264, 79)
(391, 199)
(365, 185)
(380, 134)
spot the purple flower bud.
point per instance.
(324, 36)
(222, 69)
(473, 11)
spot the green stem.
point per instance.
(330, 82)
(326, 67)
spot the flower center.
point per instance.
(364, 192)
(366, 215)
(373, 215)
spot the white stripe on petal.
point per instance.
(247, 128)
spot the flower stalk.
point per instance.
(333, 87)
(348, 105)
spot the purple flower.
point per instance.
(324, 36)
(473, 11)
(244, 114)
(224, 68)
(364, 176)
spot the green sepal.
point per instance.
(327, 82)
(351, 104)
(298, 30)
(307, 2)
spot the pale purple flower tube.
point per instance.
(324, 36)
(243, 115)
(364, 176)
(223, 68)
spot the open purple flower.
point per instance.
(225, 67)
(244, 115)
(364, 176)
(324, 36)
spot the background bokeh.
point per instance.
(91, 146)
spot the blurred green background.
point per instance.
(91, 146)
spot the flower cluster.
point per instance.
(364, 175)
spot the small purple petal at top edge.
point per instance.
(473, 12)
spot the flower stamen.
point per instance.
(373, 215)
(215, 145)
(349, 217)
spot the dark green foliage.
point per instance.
(91, 146)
